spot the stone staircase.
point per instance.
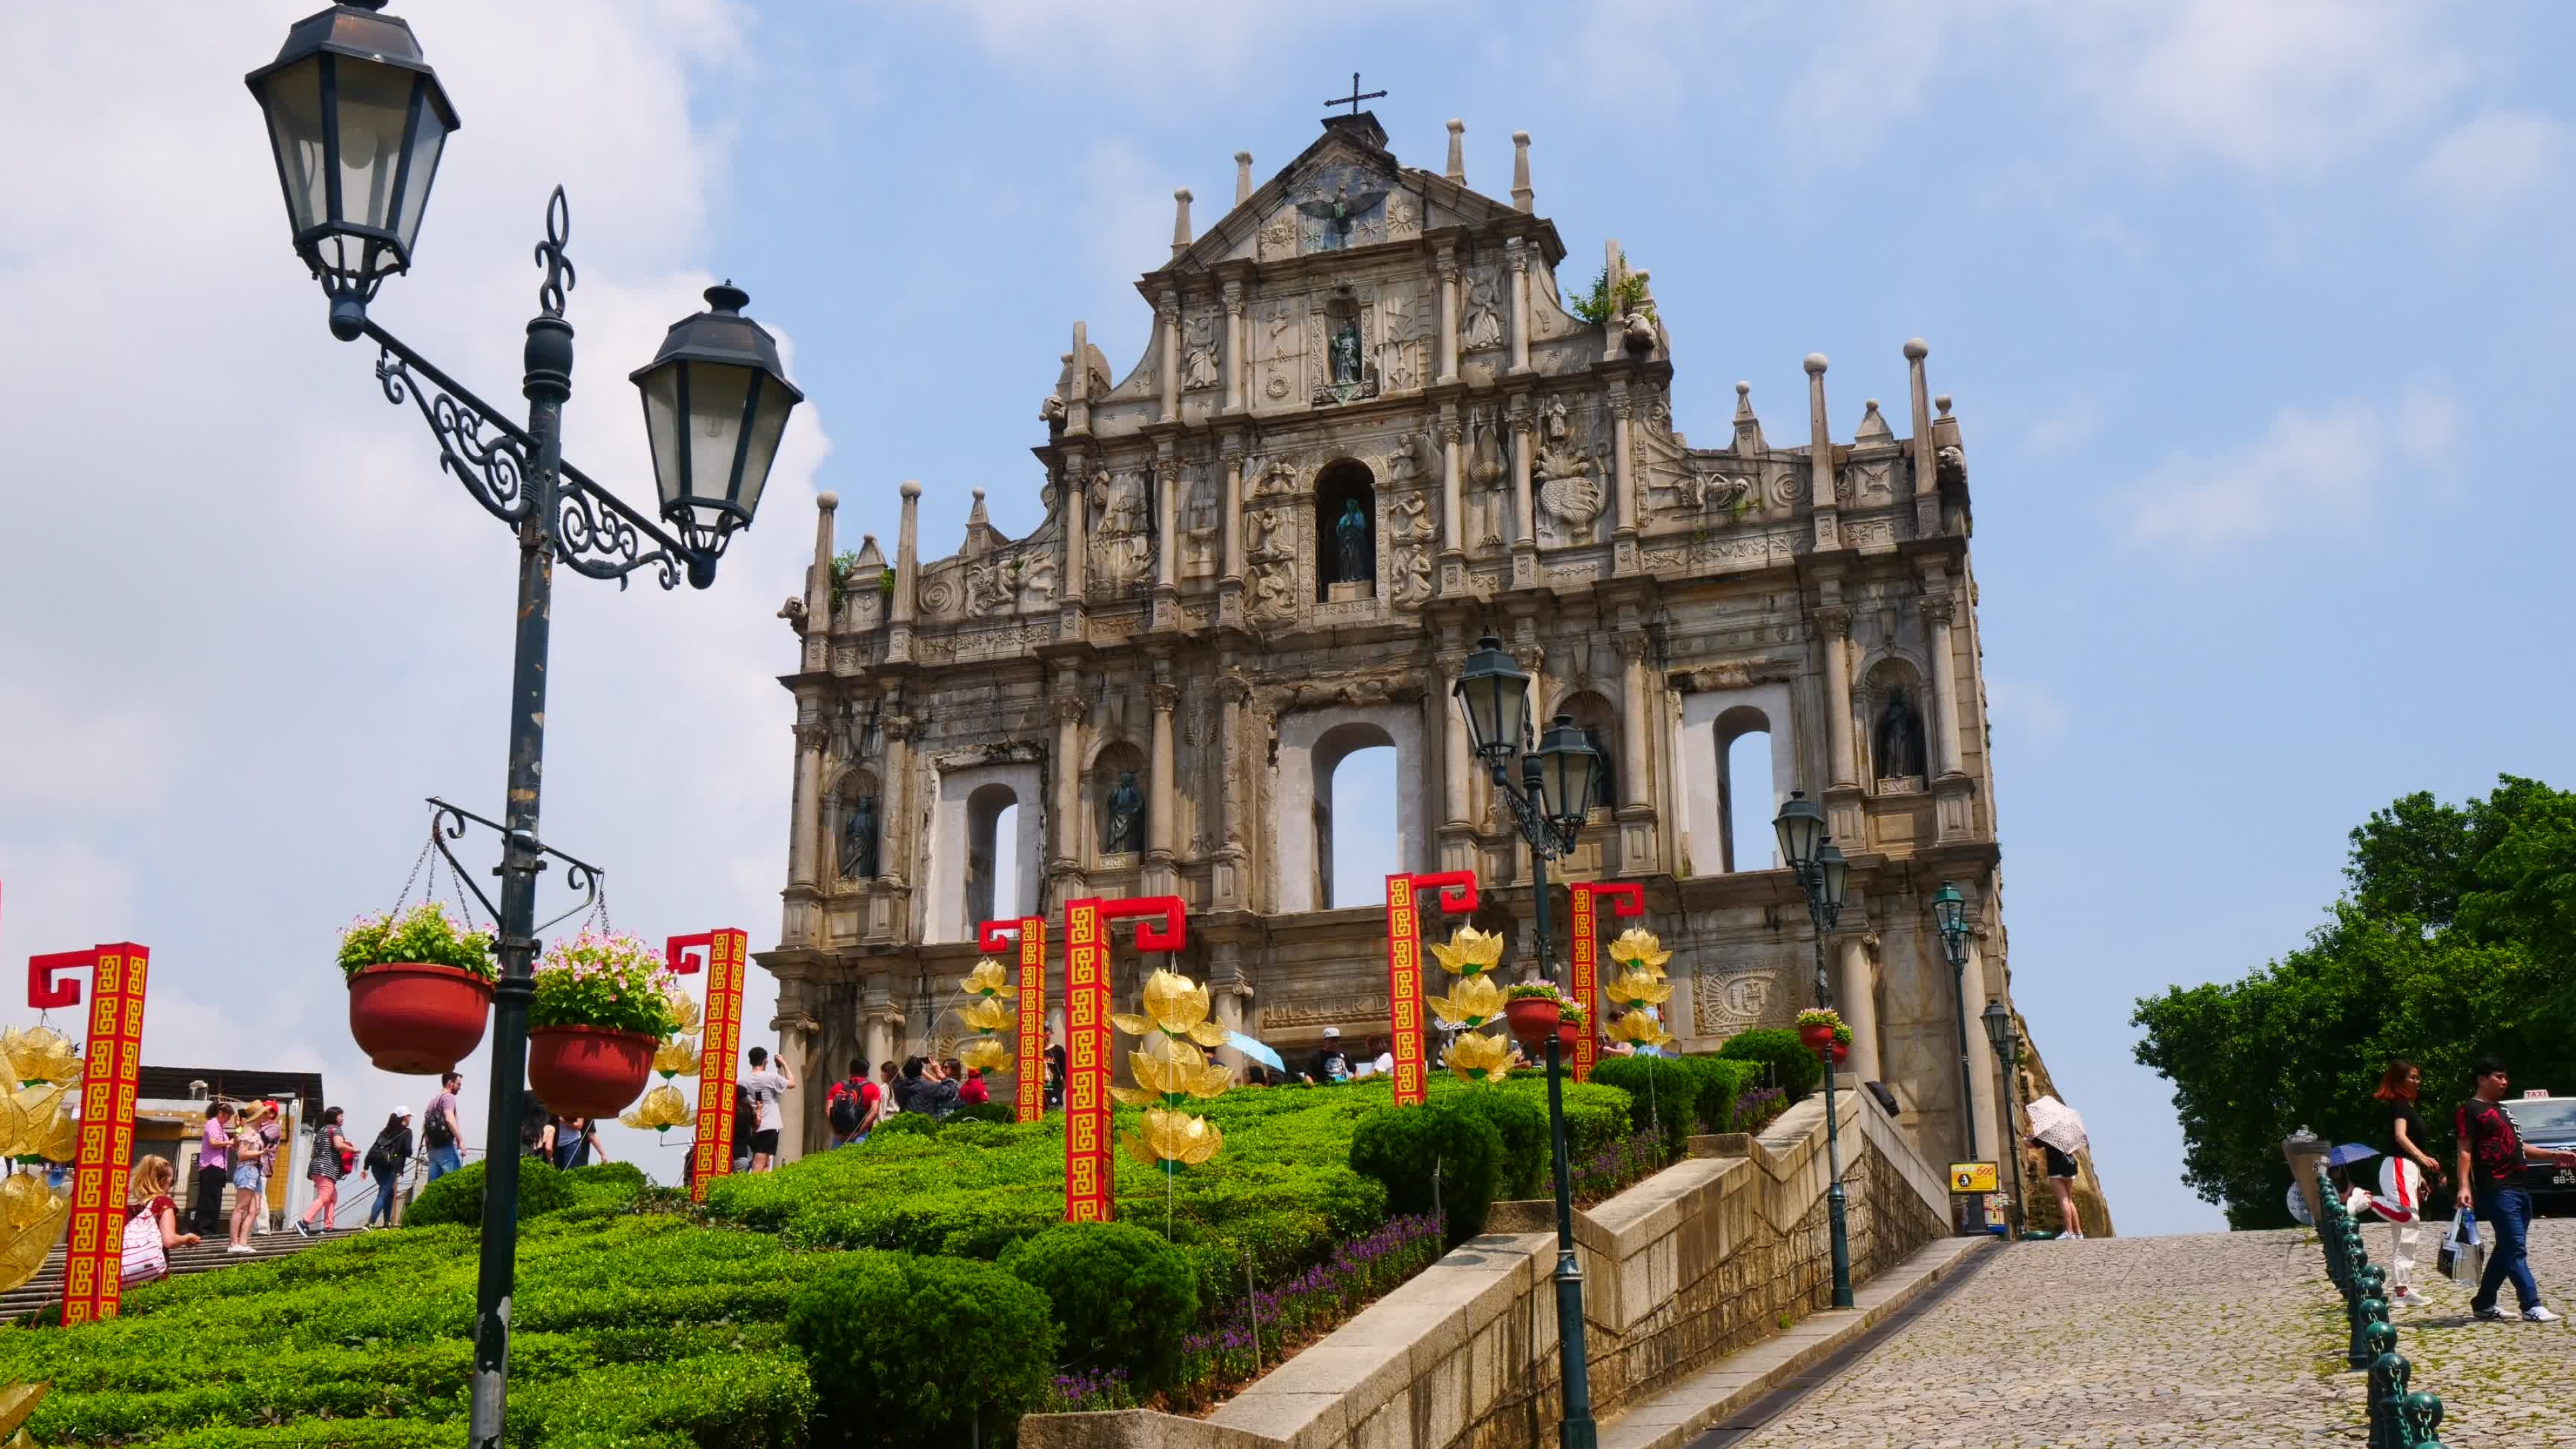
(40, 1298)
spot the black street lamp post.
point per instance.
(357, 121)
(2007, 1044)
(1950, 913)
(1824, 877)
(1548, 806)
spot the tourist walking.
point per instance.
(1330, 1065)
(577, 1143)
(2491, 1157)
(766, 1084)
(385, 1158)
(2404, 1174)
(2059, 1134)
(442, 1136)
(325, 1167)
(151, 1223)
(250, 1148)
(214, 1169)
(850, 1107)
(889, 1077)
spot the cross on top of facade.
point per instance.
(1355, 97)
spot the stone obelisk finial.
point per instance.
(1457, 151)
(1180, 221)
(1521, 193)
(1242, 177)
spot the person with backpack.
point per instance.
(250, 1149)
(325, 1169)
(851, 1105)
(385, 1158)
(151, 1223)
(442, 1137)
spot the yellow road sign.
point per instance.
(1972, 1177)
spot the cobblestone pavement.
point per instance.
(2210, 1340)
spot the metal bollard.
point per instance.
(2369, 1310)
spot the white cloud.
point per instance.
(2028, 707)
(249, 623)
(2497, 161)
(2326, 470)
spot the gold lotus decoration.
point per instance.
(1480, 1057)
(686, 1011)
(677, 1057)
(17, 1405)
(1640, 951)
(39, 1123)
(1171, 1071)
(1174, 1137)
(1636, 987)
(1469, 952)
(987, 1013)
(1475, 1001)
(1641, 1027)
(32, 1216)
(39, 1054)
(662, 1109)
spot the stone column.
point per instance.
(1448, 315)
(1457, 168)
(1180, 221)
(1524, 520)
(818, 588)
(1516, 257)
(1167, 320)
(1161, 814)
(1995, 1139)
(876, 1036)
(807, 813)
(1633, 704)
(1523, 198)
(1069, 708)
(1857, 994)
(1626, 499)
(1167, 523)
(1228, 998)
(1242, 177)
(1231, 788)
(1820, 457)
(1457, 775)
(1452, 489)
(1833, 631)
(1927, 483)
(1942, 719)
(907, 576)
(1234, 392)
(1233, 521)
(1077, 516)
(895, 862)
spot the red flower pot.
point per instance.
(584, 1071)
(1568, 1035)
(1842, 1049)
(418, 1019)
(1533, 1020)
(1816, 1037)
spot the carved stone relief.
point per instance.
(1201, 365)
(1727, 1000)
(1121, 550)
(1481, 310)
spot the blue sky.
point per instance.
(2255, 317)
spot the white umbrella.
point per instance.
(2055, 1123)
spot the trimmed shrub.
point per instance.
(1411, 1148)
(971, 1345)
(1794, 1069)
(904, 1124)
(458, 1197)
(1521, 1122)
(1002, 1113)
(1721, 1081)
(1123, 1297)
(1663, 1096)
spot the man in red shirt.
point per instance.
(973, 1089)
(2491, 1158)
(852, 1122)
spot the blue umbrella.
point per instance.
(2350, 1153)
(1256, 1050)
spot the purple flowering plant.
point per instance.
(1240, 1337)
(1757, 1108)
(611, 981)
(423, 935)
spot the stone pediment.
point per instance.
(1344, 192)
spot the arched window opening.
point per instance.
(1600, 725)
(1006, 865)
(1345, 532)
(986, 862)
(1746, 799)
(1355, 814)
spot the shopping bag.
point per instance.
(2463, 1257)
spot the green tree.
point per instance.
(2454, 941)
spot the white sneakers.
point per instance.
(2538, 1313)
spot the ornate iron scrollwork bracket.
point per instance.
(447, 822)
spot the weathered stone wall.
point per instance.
(1701, 1259)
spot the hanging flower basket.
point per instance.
(601, 1008)
(1818, 1028)
(1533, 1017)
(418, 1019)
(420, 988)
(584, 1071)
(1842, 1050)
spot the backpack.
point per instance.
(846, 1110)
(435, 1133)
(144, 1259)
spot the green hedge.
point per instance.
(1794, 1069)
(1122, 1297)
(1438, 1156)
(1520, 1120)
(910, 1351)
(1663, 1096)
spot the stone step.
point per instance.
(43, 1293)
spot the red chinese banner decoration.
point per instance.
(115, 1059)
(1583, 980)
(722, 953)
(1404, 969)
(1029, 1091)
(1089, 1182)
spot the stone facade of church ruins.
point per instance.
(1370, 427)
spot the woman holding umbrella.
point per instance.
(2057, 1132)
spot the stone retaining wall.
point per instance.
(1696, 1261)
